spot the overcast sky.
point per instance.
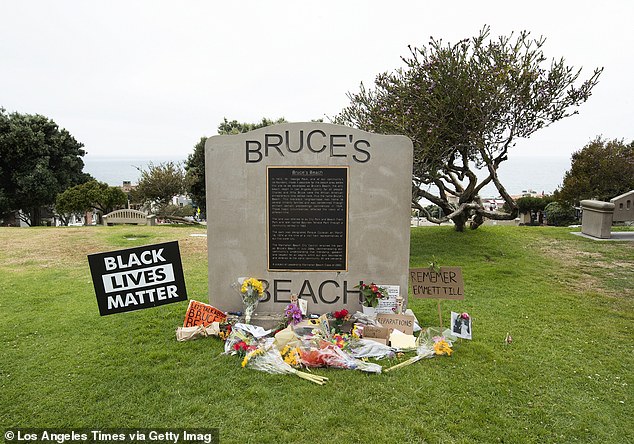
(149, 78)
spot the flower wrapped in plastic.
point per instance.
(430, 343)
(292, 314)
(291, 356)
(251, 291)
(422, 351)
(240, 342)
(366, 348)
(269, 360)
(441, 346)
(329, 355)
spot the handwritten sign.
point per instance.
(388, 304)
(377, 334)
(137, 278)
(446, 283)
(199, 313)
(403, 323)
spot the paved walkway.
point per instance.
(623, 236)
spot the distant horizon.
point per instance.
(166, 157)
(539, 172)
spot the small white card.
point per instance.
(388, 305)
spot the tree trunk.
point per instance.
(477, 220)
(460, 221)
(36, 217)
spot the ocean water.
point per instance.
(115, 170)
(517, 174)
(537, 173)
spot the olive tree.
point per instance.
(464, 106)
(159, 184)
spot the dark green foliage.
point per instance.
(38, 160)
(528, 203)
(235, 127)
(179, 211)
(85, 197)
(195, 176)
(559, 214)
(434, 211)
(464, 105)
(601, 170)
(158, 184)
(533, 206)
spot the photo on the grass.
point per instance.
(461, 325)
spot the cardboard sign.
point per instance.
(403, 323)
(445, 283)
(378, 334)
(199, 313)
(137, 278)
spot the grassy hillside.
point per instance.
(566, 377)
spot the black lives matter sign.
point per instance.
(137, 278)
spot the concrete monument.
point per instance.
(596, 219)
(309, 208)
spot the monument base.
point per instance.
(266, 320)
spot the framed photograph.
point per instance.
(461, 325)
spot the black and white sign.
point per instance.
(137, 278)
(307, 218)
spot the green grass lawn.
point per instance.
(566, 377)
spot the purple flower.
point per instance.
(293, 314)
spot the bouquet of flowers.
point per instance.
(366, 348)
(239, 342)
(329, 355)
(292, 314)
(441, 346)
(430, 343)
(340, 316)
(251, 290)
(290, 355)
(422, 351)
(198, 331)
(270, 360)
(371, 293)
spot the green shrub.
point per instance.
(559, 214)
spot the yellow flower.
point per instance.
(250, 355)
(253, 283)
(291, 355)
(442, 348)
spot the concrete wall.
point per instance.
(623, 207)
